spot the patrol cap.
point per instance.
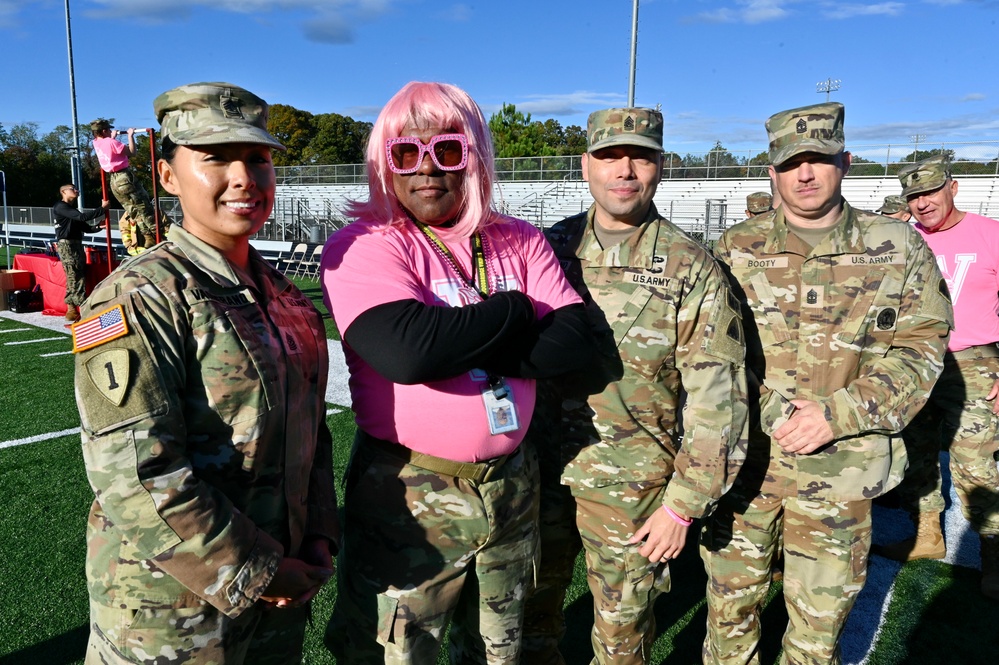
(816, 128)
(213, 113)
(924, 176)
(99, 125)
(758, 202)
(625, 126)
(892, 204)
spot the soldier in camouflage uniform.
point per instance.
(70, 225)
(758, 203)
(617, 482)
(200, 379)
(896, 207)
(113, 157)
(847, 322)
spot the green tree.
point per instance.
(575, 140)
(337, 139)
(514, 135)
(295, 129)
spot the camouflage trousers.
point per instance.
(422, 550)
(624, 584)
(133, 198)
(959, 418)
(200, 635)
(825, 546)
(74, 263)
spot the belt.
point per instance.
(479, 472)
(980, 351)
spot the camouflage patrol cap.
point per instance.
(893, 204)
(625, 126)
(99, 124)
(213, 113)
(924, 176)
(758, 202)
(816, 128)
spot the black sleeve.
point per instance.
(560, 342)
(63, 209)
(409, 342)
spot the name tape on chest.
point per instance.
(746, 262)
(99, 329)
(890, 259)
(240, 299)
(655, 280)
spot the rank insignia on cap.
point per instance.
(801, 127)
(812, 297)
(230, 106)
(629, 124)
(96, 330)
(914, 177)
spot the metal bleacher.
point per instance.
(305, 215)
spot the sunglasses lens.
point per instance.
(448, 153)
(405, 156)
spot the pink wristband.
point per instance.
(677, 518)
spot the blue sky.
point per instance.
(718, 68)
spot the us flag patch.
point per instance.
(104, 327)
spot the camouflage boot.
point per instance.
(148, 240)
(990, 566)
(72, 313)
(928, 543)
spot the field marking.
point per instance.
(38, 438)
(60, 353)
(16, 330)
(36, 341)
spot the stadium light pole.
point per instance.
(6, 224)
(75, 162)
(828, 86)
(634, 53)
(916, 138)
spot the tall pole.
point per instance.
(916, 138)
(77, 175)
(827, 86)
(6, 224)
(634, 53)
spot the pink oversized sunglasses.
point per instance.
(448, 151)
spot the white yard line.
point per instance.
(36, 341)
(10, 330)
(60, 353)
(38, 438)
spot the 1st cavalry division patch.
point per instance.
(100, 328)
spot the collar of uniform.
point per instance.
(213, 263)
(636, 252)
(845, 238)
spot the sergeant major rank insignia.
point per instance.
(230, 106)
(801, 127)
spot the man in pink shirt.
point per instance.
(113, 156)
(962, 414)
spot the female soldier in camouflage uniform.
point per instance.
(200, 379)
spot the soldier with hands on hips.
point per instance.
(200, 380)
(847, 322)
(627, 464)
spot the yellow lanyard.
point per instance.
(478, 259)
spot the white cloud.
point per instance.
(973, 97)
(325, 21)
(763, 11)
(459, 12)
(568, 104)
(8, 12)
(849, 10)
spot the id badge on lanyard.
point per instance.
(501, 410)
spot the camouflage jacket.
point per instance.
(859, 323)
(204, 430)
(666, 321)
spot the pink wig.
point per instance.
(431, 105)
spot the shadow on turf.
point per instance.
(63, 649)
(688, 585)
